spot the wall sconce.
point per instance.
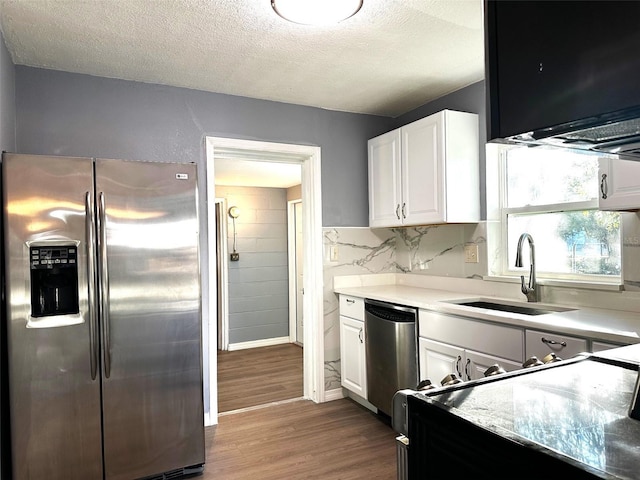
(234, 212)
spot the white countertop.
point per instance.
(607, 325)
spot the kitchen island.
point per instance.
(569, 419)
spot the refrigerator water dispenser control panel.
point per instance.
(54, 280)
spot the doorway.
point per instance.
(309, 159)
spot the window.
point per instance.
(553, 195)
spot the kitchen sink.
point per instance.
(520, 308)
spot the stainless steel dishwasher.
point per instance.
(391, 352)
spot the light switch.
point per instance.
(333, 253)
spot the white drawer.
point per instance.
(597, 346)
(541, 344)
(498, 340)
(352, 307)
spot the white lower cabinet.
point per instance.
(479, 336)
(437, 360)
(540, 344)
(476, 364)
(353, 362)
(597, 346)
(465, 346)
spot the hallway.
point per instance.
(258, 376)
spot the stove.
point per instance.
(569, 417)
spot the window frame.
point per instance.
(507, 270)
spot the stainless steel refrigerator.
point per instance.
(104, 322)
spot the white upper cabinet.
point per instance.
(425, 172)
(385, 188)
(619, 184)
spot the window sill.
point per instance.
(614, 286)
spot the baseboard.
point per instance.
(209, 420)
(335, 394)
(267, 342)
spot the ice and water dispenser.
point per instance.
(54, 280)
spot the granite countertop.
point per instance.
(603, 324)
(576, 412)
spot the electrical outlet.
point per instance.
(471, 254)
(235, 256)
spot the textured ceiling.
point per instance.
(390, 58)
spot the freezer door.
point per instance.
(152, 363)
(54, 384)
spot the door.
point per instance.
(385, 188)
(54, 382)
(619, 184)
(437, 360)
(423, 171)
(152, 385)
(476, 364)
(352, 355)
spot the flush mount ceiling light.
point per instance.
(316, 12)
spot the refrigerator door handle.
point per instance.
(104, 286)
(90, 245)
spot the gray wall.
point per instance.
(469, 99)
(258, 282)
(71, 114)
(7, 101)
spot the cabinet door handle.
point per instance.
(350, 301)
(404, 210)
(604, 188)
(553, 342)
(398, 211)
(466, 369)
(458, 360)
(360, 335)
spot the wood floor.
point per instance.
(338, 440)
(258, 376)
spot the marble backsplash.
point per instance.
(360, 251)
(430, 250)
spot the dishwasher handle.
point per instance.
(390, 311)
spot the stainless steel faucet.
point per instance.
(530, 290)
